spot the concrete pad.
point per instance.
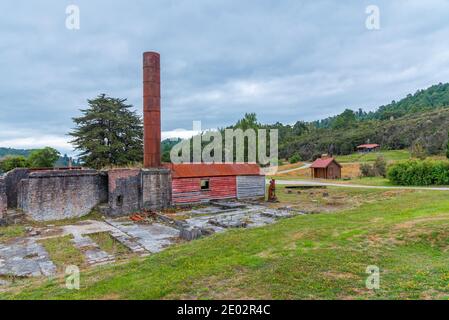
(25, 258)
(153, 237)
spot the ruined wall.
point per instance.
(3, 198)
(12, 180)
(156, 189)
(124, 191)
(250, 187)
(57, 195)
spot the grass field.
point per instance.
(316, 256)
(389, 155)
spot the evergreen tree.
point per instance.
(108, 133)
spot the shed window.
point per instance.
(204, 184)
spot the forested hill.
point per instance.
(436, 96)
(16, 152)
(420, 120)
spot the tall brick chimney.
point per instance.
(152, 110)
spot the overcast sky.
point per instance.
(285, 60)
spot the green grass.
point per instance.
(369, 181)
(10, 232)
(63, 252)
(389, 155)
(321, 256)
(109, 244)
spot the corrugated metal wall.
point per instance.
(188, 190)
(250, 187)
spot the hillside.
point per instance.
(14, 152)
(429, 129)
(422, 118)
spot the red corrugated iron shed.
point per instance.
(200, 182)
(192, 170)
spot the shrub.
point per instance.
(367, 170)
(418, 151)
(43, 158)
(380, 167)
(419, 173)
(12, 162)
(295, 158)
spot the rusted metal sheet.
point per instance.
(193, 170)
(188, 190)
(250, 187)
(152, 110)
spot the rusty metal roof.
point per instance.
(323, 163)
(194, 170)
(368, 146)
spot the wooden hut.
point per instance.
(326, 168)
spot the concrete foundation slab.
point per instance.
(153, 237)
(25, 258)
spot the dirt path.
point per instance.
(305, 166)
(318, 183)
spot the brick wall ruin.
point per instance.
(133, 190)
(156, 189)
(12, 181)
(57, 195)
(3, 198)
(124, 191)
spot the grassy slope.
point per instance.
(389, 155)
(313, 256)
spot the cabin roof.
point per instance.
(324, 163)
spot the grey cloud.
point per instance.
(286, 60)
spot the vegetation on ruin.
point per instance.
(316, 256)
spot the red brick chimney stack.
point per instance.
(152, 110)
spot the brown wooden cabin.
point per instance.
(326, 168)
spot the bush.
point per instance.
(380, 167)
(12, 162)
(295, 158)
(367, 170)
(419, 173)
(43, 158)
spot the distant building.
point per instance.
(326, 168)
(363, 148)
